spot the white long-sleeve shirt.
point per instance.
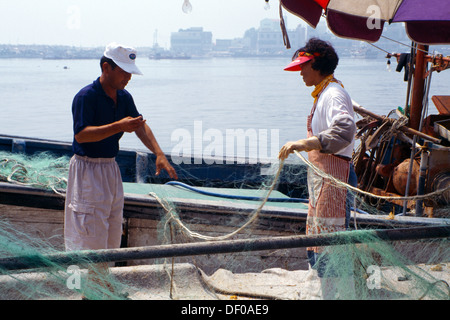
(333, 122)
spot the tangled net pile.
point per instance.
(41, 171)
(369, 268)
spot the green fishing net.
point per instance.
(43, 170)
(34, 266)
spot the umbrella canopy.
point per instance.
(426, 21)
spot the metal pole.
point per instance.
(422, 179)
(217, 247)
(424, 110)
(418, 87)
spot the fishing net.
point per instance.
(43, 170)
(253, 246)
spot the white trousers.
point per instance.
(94, 204)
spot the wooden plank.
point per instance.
(46, 225)
(442, 104)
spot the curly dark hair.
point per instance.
(327, 59)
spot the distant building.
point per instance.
(297, 37)
(320, 31)
(223, 44)
(269, 40)
(192, 41)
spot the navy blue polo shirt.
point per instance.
(92, 107)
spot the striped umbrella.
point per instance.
(426, 21)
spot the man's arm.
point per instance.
(98, 133)
(145, 134)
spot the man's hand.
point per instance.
(98, 133)
(130, 124)
(145, 134)
(309, 144)
(163, 163)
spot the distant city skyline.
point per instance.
(96, 23)
(93, 24)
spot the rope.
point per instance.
(283, 29)
(172, 216)
(341, 184)
(170, 210)
(227, 196)
(395, 127)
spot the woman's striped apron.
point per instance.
(326, 208)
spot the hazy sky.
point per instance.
(98, 22)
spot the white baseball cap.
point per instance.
(123, 56)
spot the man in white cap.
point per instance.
(102, 112)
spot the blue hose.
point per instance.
(228, 196)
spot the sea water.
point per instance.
(192, 105)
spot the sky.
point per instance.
(97, 22)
